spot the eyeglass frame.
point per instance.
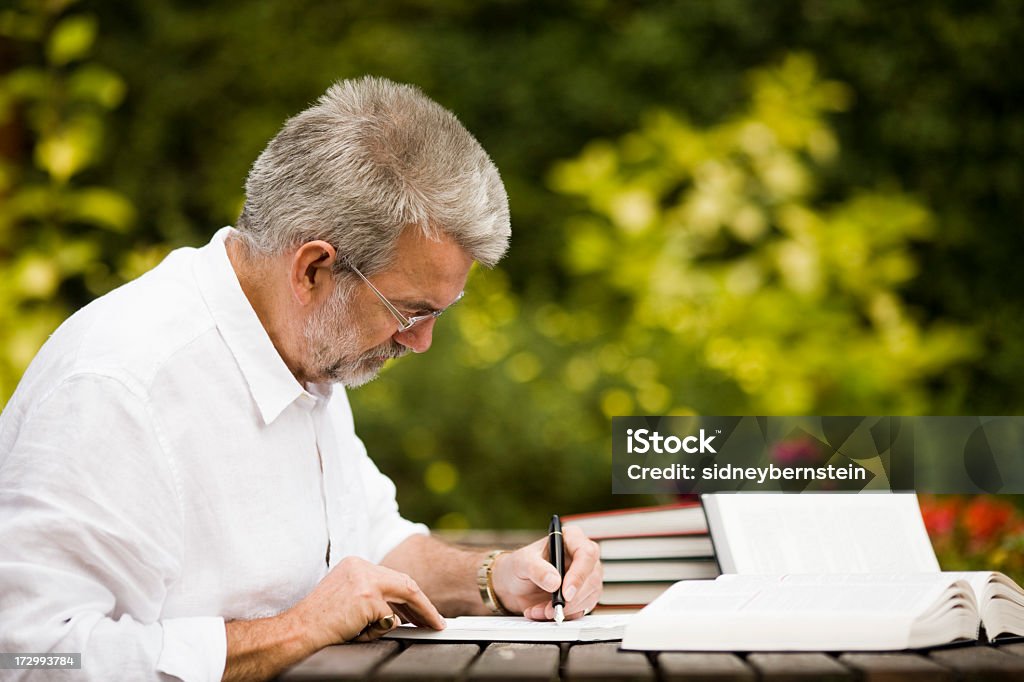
(404, 323)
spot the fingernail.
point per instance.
(570, 592)
(551, 583)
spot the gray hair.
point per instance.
(369, 159)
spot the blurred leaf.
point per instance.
(71, 39)
(101, 207)
(35, 276)
(96, 84)
(27, 83)
(20, 26)
(67, 150)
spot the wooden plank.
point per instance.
(603, 661)
(428, 662)
(517, 661)
(896, 667)
(703, 667)
(342, 662)
(489, 539)
(781, 667)
(981, 663)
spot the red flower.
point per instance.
(986, 520)
(940, 515)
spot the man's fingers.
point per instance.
(536, 568)
(587, 595)
(539, 611)
(406, 614)
(387, 623)
(578, 614)
(581, 586)
(542, 574)
(584, 556)
(378, 628)
(402, 591)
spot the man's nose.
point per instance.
(419, 338)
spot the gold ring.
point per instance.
(386, 623)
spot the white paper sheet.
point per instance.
(593, 628)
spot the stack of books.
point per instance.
(645, 550)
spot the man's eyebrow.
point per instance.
(416, 305)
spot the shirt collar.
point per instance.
(271, 383)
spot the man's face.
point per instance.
(334, 341)
(351, 334)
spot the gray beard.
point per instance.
(332, 344)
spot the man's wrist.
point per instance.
(299, 634)
(486, 585)
(262, 648)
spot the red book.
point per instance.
(686, 518)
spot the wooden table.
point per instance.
(390, 660)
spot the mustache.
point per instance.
(388, 351)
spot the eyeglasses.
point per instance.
(404, 323)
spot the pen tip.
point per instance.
(559, 614)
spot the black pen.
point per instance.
(556, 550)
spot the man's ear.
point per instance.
(310, 271)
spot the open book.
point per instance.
(828, 612)
(819, 533)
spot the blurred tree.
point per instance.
(720, 262)
(936, 114)
(709, 276)
(522, 381)
(61, 235)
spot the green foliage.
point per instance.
(722, 263)
(886, 277)
(56, 231)
(708, 275)
(52, 107)
(490, 417)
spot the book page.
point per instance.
(1001, 602)
(593, 628)
(833, 594)
(819, 533)
(807, 613)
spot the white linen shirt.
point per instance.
(162, 471)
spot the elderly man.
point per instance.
(182, 493)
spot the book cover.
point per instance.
(656, 547)
(680, 518)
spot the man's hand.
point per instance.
(525, 579)
(346, 606)
(355, 595)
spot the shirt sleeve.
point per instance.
(91, 538)
(387, 526)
